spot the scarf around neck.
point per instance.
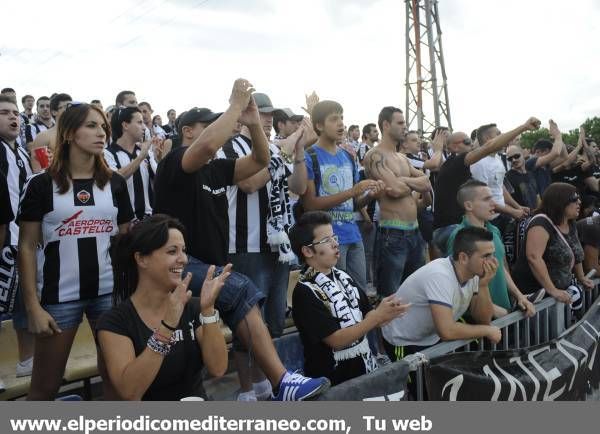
(341, 297)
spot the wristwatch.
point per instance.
(209, 319)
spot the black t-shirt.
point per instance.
(524, 188)
(452, 174)
(574, 176)
(179, 375)
(199, 201)
(6, 214)
(556, 257)
(315, 322)
(542, 175)
(589, 231)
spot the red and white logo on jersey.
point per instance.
(83, 196)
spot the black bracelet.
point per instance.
(168, 326)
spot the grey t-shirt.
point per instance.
(434, 283)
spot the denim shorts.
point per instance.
(237, 297)
(70, 314)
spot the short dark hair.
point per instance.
(146, 104)
(6, 98)
(121, 115)
(466, 190)
(438, 130)
(57, 99)
(352, 128)
(542, 144)
(386, 114)
(279, 116)
(302, 233)
(169, 111)
(555, 199)
(367, 129)
(26, 97)
(466, 239)
(474, 135)
(482, 132)
(7, 90)
(41, 98)
(95, 101)
(121, 97)
(323, 109)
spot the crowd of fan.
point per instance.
(157, 232)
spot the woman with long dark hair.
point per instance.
(552, 248)
(156, 337)
(72, 210)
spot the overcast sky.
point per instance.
(505, 59)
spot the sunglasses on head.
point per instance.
(73, 104)
(513, 157)
(574, 198)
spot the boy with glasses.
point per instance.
(331, 312)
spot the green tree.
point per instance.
(592, 128)
(529, 138)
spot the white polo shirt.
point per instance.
(491, 171)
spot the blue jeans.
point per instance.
(352, 261)
(237, 297)
(70, 314)
(271, 277)
(440, 238)
(368, 237)
(399, 254)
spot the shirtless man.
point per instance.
(399, 247)
(47, 138)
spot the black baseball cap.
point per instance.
(263, 102)
(194, 116)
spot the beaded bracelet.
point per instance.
(158, 347)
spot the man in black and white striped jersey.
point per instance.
(259, 217)
(43, 120)
(130, 155)
(14, 171)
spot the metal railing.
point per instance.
(518, 331)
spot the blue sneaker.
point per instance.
(297, 387)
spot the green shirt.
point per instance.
(498, 286)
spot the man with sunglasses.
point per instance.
(524, 186)
(456, 171)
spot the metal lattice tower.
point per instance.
(426, 96)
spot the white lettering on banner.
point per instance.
(392, 397)
(595, 340)
(514, 383)
(536, 382)
(560, 346)
(497, 385)
(454, 384)
(549, 376)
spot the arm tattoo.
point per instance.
(376, 163)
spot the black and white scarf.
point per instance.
(341, 297)
(279, 219)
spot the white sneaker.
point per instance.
(262, 390)
(247, 396)
(25, 368)
(2, 386)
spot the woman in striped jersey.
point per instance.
(72, 210)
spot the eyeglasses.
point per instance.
(330, 240)
(513, 157)
(574, 198)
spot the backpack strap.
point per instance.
(560, 234)
(315, 168)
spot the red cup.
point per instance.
(41, 154)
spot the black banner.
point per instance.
(387, 383)
(564, 369)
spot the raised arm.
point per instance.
(217, 133)
(500, 142)
(557, 148)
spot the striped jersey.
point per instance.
(74, 263)
(15, 168)
(248, 213)
(140, 183)
(32, 129)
